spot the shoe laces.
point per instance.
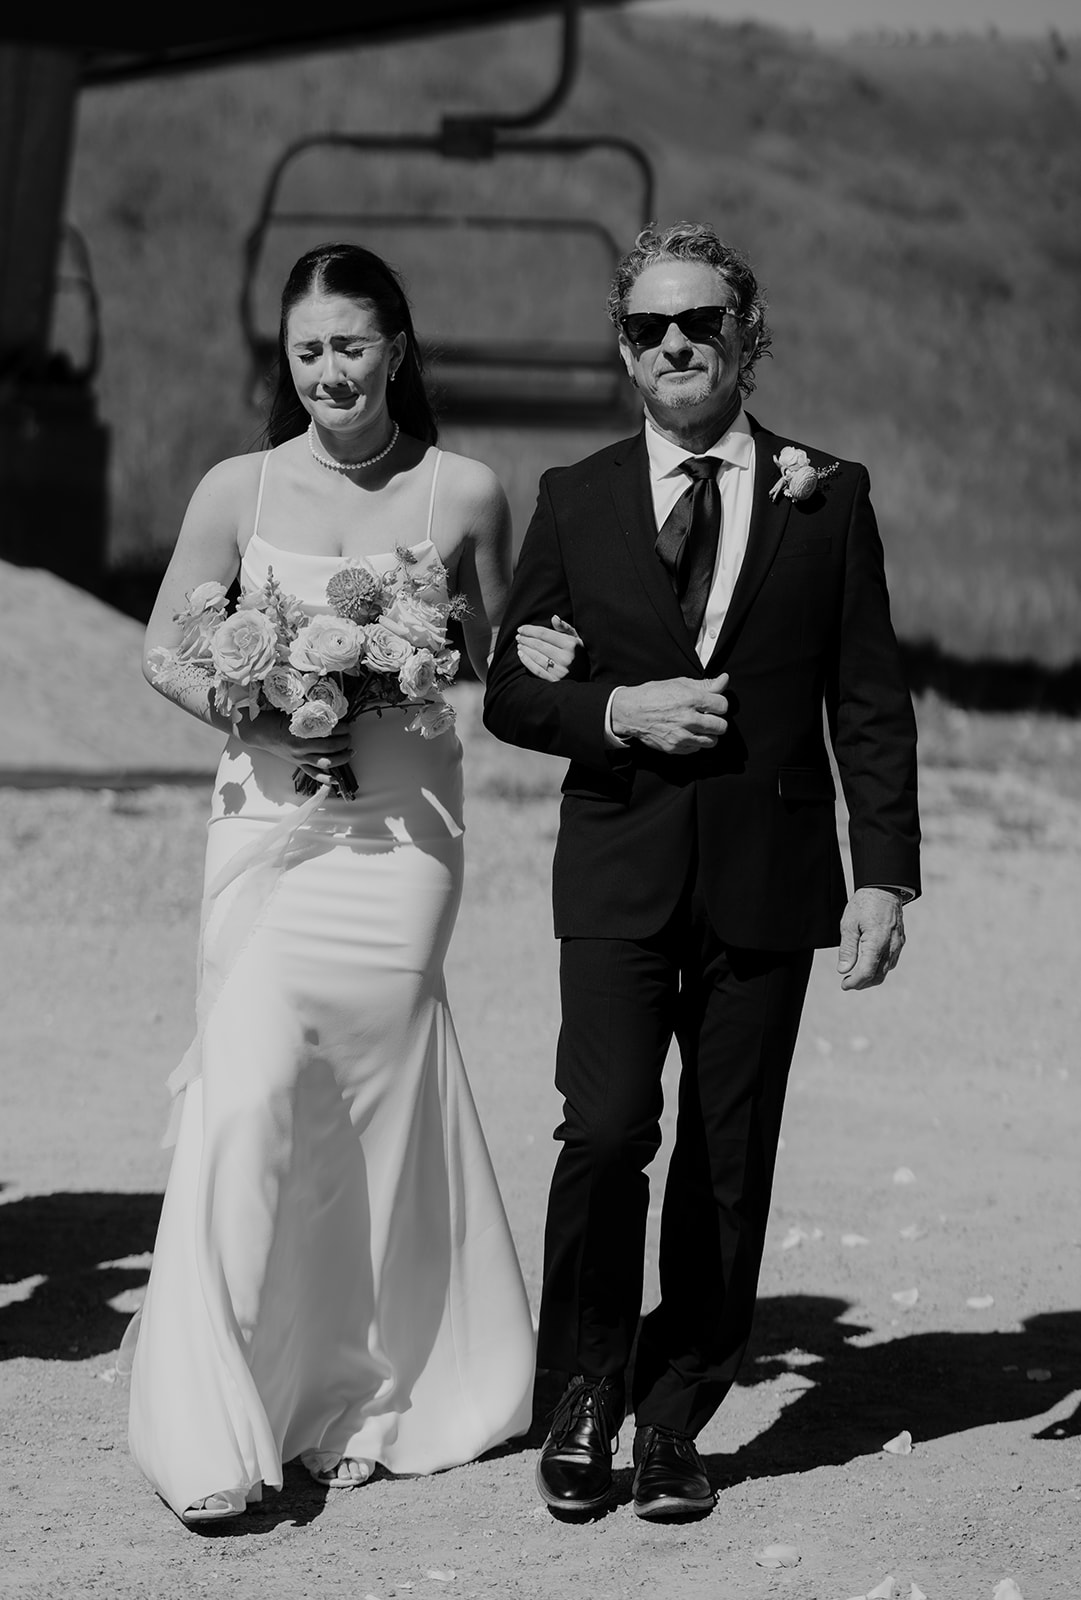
(684, 1444)
(580, 1394)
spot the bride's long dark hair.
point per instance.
(356, 274)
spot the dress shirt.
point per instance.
(735, 479)
(734, 452)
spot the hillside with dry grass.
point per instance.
(913, 210)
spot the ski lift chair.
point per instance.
(555, 380)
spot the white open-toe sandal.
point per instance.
(338, 1476)
(215, 1508)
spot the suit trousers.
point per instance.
(735, 1014)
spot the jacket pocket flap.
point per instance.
(584, 783)
(805, 783)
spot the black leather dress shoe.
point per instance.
(574, 1472)
(670, 1478)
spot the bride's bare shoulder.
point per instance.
(467, 477)
(468, 485)
(236, 477)
(224, 500)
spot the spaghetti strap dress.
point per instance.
(334, 1275)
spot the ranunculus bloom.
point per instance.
(802, 481)
(245, 647)
(417, 674)
(414, 619)
(285, 687)
(327, 693)
(433, 718)
(386, 652)
(327, 644)
(313, 720)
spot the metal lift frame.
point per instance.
(482, 138)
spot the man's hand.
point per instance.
(872, 938)
(676, 716)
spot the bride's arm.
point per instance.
(206, 552)
(483, 576)
(483, 566)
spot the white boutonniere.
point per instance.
(798, 478)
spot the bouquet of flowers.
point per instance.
(382, 643)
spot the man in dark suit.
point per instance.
(727, 586)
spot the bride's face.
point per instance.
(340, 361)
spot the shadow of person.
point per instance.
(859, 1396)
(78, 1247)
(299, 1501)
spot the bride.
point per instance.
(334, 1278)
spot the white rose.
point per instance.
(417, 675)
(802, 481)
(206, 597)
(791, 457)
(433, 718)
(327, 693)
(285, 687)
(416, 620)
(312, 720)
(386, 652)
(245, 647)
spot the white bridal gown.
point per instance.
(333, 1274)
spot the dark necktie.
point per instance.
(687, 544)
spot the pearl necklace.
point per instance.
(348, 466)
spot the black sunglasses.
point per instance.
(700, 324)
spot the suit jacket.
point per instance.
(808, 628)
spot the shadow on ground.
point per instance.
(298, 1502)
(934, 1384)
(70, 1242)
(69, 1254)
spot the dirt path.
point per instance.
(931, 1142)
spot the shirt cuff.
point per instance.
(611, 738)
(901, 889)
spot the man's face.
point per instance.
(681, 379)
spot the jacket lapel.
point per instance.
(634, 506)
(768, 519)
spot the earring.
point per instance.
(393, 375)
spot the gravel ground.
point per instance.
(87, 713)
(922, 1273)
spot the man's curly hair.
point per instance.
(696, 241)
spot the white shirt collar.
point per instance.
(665, 458)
